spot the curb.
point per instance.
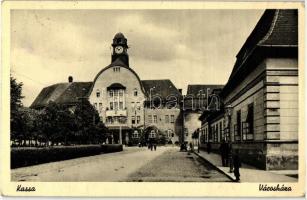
(214, 166)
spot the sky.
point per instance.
(185, 46)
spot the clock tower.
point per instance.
(120, 49)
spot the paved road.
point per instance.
(177, 166)
(133, 164)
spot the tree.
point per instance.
(16, 104)
(91, 129)
(50, 126)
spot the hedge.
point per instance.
(26, 156)
(109, 148)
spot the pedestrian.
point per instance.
(230, 157)
(208, 148)
(155, 146)
(191, 147)
(236, 164)
(223, 153)
(226, 152)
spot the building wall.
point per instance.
(174, 126)
(128, 79)
(250, 90)
(273, 90)
(282, 113)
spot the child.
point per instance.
(236, 165)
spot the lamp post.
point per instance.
(229, 109)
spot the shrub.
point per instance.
(109, 148)
(21, 157)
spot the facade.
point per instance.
(126, 104)
(261, 95)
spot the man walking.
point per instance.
(236, 165)
(224, 154)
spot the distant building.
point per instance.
(125, 103)
(195, 102)
(263, 93)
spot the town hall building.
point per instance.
(126, 104)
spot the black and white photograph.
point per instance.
(155, 96)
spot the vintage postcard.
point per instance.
(142, 99)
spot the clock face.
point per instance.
(119, 49)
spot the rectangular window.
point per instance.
(248, 126)
(238, 126)
(100, 107)
(95, 105)
(121, 105)
(166, 119)
(115, 106)
(138, 119)
(135, 93)
(97, 94)
(210, 133)
(172, 119)
(138, 105)
(250, 118)
(111, 93)
(149, 118)
(120, 92)
(115, 93)
(111, 105)
(133, 119)
(155, 119)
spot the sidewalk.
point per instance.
(248, 173)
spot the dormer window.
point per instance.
(116, 69)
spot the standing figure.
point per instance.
(237, 165)
(191, 147)
(155, 146)
(230, 157)
(226, 151)
(223, 153)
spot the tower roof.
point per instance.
(119, 35)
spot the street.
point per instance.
(132, 164)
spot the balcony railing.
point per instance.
(113, 113)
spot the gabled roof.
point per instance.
(161, 88)
(275, 34)
(64, 93)
(70, 93)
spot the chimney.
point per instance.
(180, 91)
(70, 79)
